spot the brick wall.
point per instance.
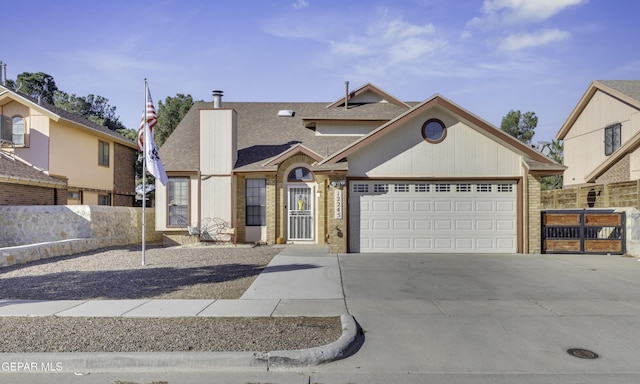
(533, 230)
(21, 194)
(124, 183)
(619, 172)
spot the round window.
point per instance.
(434, 131)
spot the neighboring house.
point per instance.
(602, 134)
(99, 164)
(23, 184)
(366, 173)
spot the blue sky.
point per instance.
(487, 56)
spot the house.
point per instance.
(98, 164)
(365, 173)
(602, 134)
(23, 184)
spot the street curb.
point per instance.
(104, 362)
(348, 344)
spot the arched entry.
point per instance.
(300, 205)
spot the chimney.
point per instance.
(346, 95)
(3, 73)
(217, 99)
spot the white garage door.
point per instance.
(469, 217)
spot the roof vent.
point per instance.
(217, 98)
(286, 113)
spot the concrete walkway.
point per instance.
(300, 281)
(315, 289)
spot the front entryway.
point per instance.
(300, 216)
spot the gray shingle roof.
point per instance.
(262, 134)
(630, 88)
(14, 169)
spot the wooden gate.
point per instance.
(583, 231)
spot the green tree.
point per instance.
(93, 107)
(521, 126)
(170, 113)
(37, 85)
(556, 152)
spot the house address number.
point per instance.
(337, 196)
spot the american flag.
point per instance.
(152, 119)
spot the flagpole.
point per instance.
(144, 169)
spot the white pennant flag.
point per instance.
(154, 165)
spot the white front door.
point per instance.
(300, 217)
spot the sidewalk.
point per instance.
(300, 281)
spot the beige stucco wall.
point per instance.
(465, 152)
(71, 147)
(36, 128)
(584, 143)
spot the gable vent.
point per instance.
(286, 113)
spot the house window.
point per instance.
(300, 174)
(443, 187)
(103, 153)
(104, 199)
(434, 131)
(380, 188)
(256, 209)
(401, 188)
(18, 131)
(612, 138)
(422, 188)
(178, 200)
(483, 188)
(505, 187)
(463, 187)
(362, 188)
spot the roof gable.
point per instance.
(298, 148)
(373, 91)
(58, 114)
(439, 101)
(627, 91)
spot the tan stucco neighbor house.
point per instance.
(366, 173)
(97, 164)
(602, 134)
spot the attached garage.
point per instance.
(441, 216)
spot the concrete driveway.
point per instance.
(490, 319)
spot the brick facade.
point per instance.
(22, 194)
(533, 224)
(619, 172)
(124, 177)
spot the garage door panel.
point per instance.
(433, 217)
(422, 206)
(463, 206)
(422, 225)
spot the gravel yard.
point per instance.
(203, 272)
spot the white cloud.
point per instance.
(525, 40)
(517, 11)
(300, 4)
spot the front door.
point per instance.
(300, 212)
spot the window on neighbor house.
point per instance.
(177, 200)
(256, 209)
(104, 199)
(18, 131)
(103, 153)
(612, 138)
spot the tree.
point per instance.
(37, 85)
(520, 126)
(93, 107)
(556, 152)
(170, 113)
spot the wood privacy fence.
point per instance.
(614, 195)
